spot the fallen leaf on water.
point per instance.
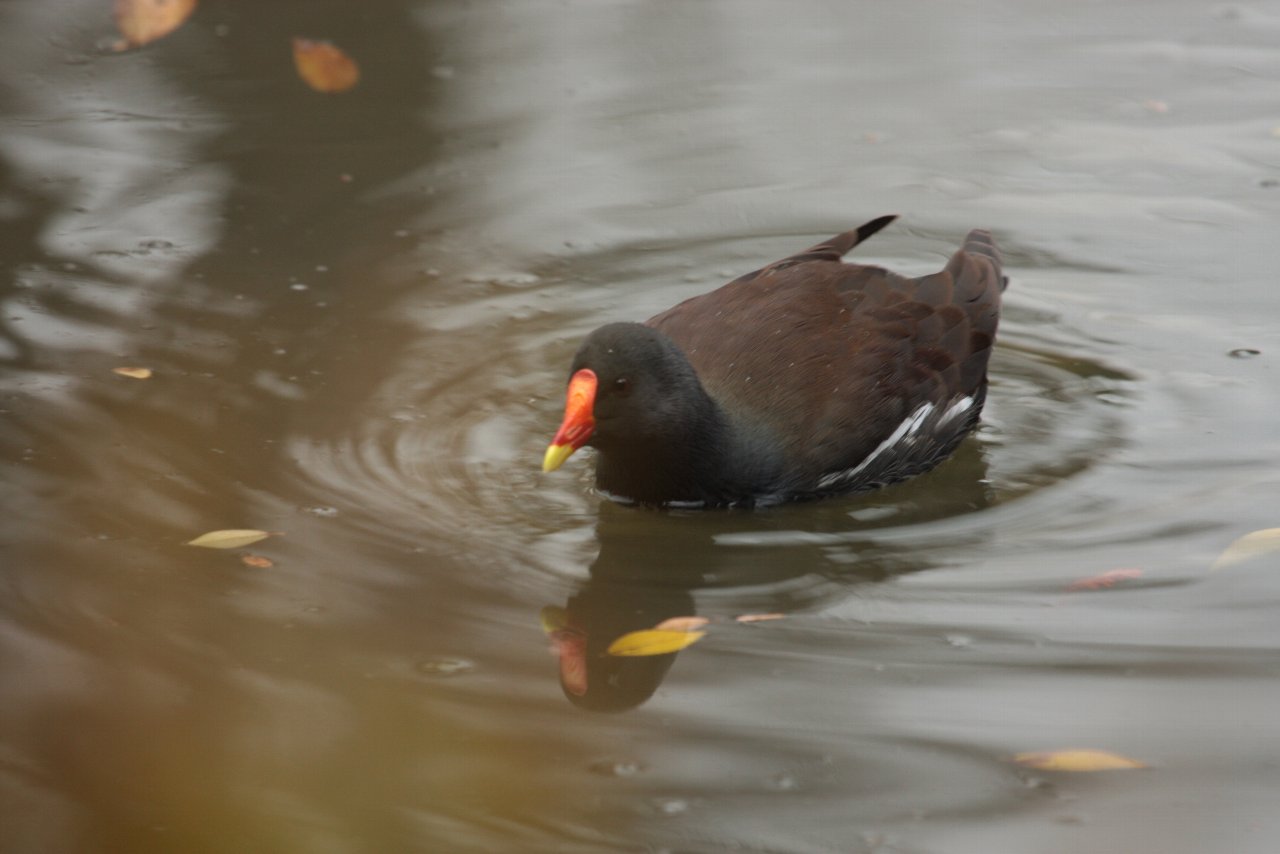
(1249, 546)
(143, 21)
(653, 642)
(257, 561)
(323, 66)
(1110, 578)
(232, 538)
(136, 373)
(1077, 760)
(758, 618)
(681, 624)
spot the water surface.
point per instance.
(359, 311)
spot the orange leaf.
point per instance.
(1110, 578)
(135, 373)
(1077, 760)
(653, 642)
(143, 21)
(681, 624)
(257, 561)
(323, 66)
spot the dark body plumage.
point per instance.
(807, 378)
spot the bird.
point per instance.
(808, 378)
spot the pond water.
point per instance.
(359, 310)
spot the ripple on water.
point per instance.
(449, 449)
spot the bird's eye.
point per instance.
(622, 385)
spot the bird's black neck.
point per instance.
(706, 459)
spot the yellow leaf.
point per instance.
(136, 373)
(323, 66)
(144, 21)
(257, 561)
(1077, 760)
(553, 619)
(653, 642)
(681, 624)
(1249, 546)
(233, 538)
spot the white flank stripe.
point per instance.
(906, 431)
(958, 408)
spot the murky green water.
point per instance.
(359, 310)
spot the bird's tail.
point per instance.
(979, 243)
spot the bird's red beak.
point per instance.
(579, 420)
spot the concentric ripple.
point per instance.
(449, 450)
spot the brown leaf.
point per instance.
(1077, 760)
(653, 642)
(136, 373)
(257, 561)
(758, 618)
(681, 624)
(1110, 578)
(323, 66)
(1249, 546)
(232, 538)
(143, 21)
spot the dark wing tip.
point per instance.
(867, 229)
(838, 246)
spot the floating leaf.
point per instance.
(1077, 760)
(143, 21)
(136, 373)
(257, 561)
(653, 642)
(681, 624)
(323, 66)
(758, 618)
(1249, 546)
(1110, 578)
(229, 539)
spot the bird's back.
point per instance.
(835, 360)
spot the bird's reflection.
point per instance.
(784, 560)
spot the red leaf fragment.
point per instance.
(682, 624)
(1107, 579)
(758, 618)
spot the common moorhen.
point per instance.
(807, 378)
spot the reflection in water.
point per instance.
(652, 563)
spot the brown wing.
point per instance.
(833, 358)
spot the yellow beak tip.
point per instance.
(555, 457)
